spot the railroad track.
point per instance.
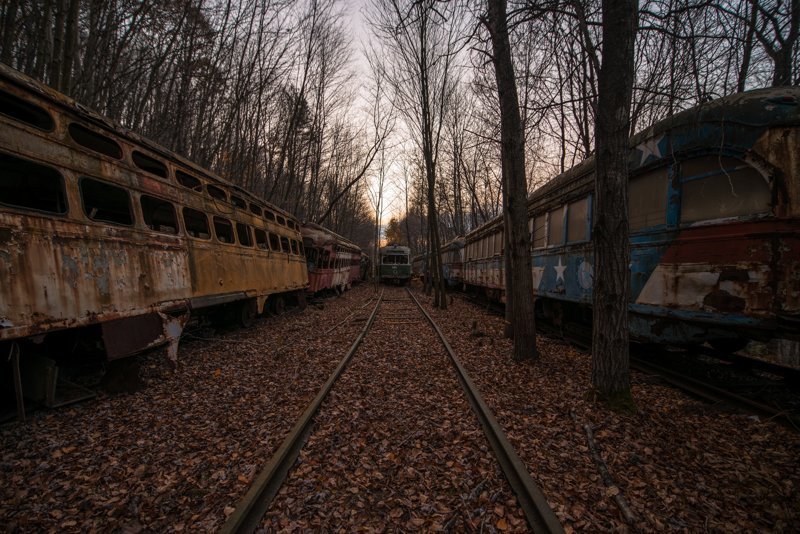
(580, 337)
(393, 313)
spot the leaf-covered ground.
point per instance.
(681, 464)
(396, 445)
(178, 454)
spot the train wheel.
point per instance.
(278, 305)
(301, 300)
(247, 313)
(729, 345)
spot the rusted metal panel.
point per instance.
(124, 337)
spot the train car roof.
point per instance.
(61, 100)
(320, 235)
(392, 248)
(775, 106)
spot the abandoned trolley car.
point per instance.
(714, 215)
(334, 263)
(394, 263)
(108, 236)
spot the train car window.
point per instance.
(238, 202)
(187, 180)
(256, 210)
(539, 231)
(243, 233)
(149, 164)
(577, 218)
(95, 141)
(717, 188)
(223, 229)
(295, 250)
(261, 239)
(555, 230)
(216, 192)
(285, 244)
(23, 111)
(302, 249)
(159, 215)
(274, 242)
(25, 184)
(647, 200)
(196, 223)
(281, 221)
(269, 215)
(106, 202)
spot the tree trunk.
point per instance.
(515, 198)
(9, 33)
(610, 357)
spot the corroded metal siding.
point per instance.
(65, 270)
(58, 273)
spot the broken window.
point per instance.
(647, 200)
(261, 239)
(578, 221)
(223, 229)
(159, 215)
(269, 215)
(295, 250)
(238, 202)
(95, 141)
(540, 231)
(243, 232)
(149, 164)
(274, 242)
(25, 184)
(281, 221)
(255, 209)
(23, 111)
(216, 192)
(196, 223)
(555, 230)
(285, 244)
(187, 180)
(719, 187)
(105, 202)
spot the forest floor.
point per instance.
(178, 454)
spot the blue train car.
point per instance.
(714, 218)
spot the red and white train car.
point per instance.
(333, 261)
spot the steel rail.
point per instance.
(251, 509)
(713, 393)
(540, 516)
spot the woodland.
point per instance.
(285, 99)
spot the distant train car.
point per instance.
(395, 264)
(107, 236)
(714, 215)
(334, 263)
(419, 266)
(453, 262)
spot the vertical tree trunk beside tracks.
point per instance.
(515, 197)
(610, 355)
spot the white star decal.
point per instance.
(650, 148)
(560, 270)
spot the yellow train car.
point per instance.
(110, 234)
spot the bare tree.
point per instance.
(610, 358)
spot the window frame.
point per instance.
(127, 192)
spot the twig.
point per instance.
(622, 503)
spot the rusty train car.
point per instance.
(108, 236)
(334, 263)
(714, 217)
(452, 257)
